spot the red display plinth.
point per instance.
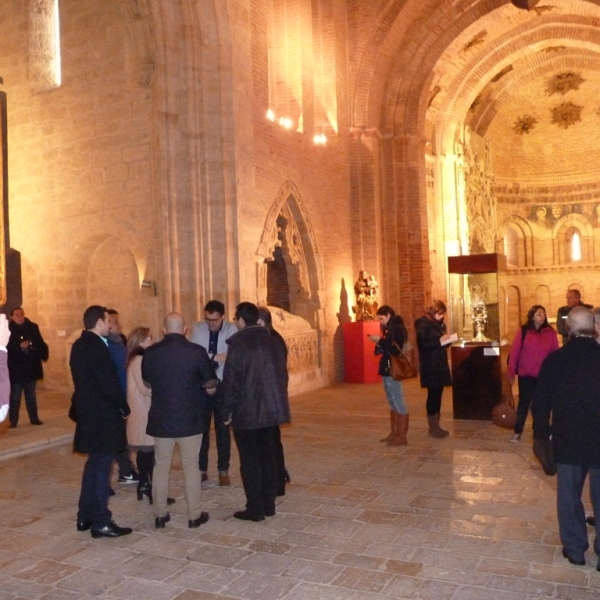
(360, 362)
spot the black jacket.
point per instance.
(433, 357)
(566, 402)
(255, 380)
(99, 401)
(178, 372)
(26, 365)
(393, 332)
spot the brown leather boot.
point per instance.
(401, 429)
(392, 433)
(445, 433)
(434, 427)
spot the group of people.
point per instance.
(560, 386)
(150, 397)
(432, 343)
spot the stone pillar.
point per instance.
(44, 45)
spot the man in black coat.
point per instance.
(100, 408)
(255, 401)
(180, 375)
(566, 405)
(26, 351)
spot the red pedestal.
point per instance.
(360, 362)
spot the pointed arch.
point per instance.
(288, 227)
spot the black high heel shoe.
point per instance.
(145, 489)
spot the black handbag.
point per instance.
(542, 448)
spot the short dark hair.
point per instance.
(576, 292)
(92, 314)
(384, 309)
(248, 312)
(215, 306)
(265, 314)
(111, 311)
(12, 312)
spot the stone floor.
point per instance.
(471, 517)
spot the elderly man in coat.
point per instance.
(566, 405)
(255, 400)
(100, 409)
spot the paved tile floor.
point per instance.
(471, 517)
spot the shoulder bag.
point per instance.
(401, 367)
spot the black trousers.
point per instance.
(434, 400)
(222, 435)
(258, 467)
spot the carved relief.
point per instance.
(302, 352)
(566, 114)
(524, 124)
(561, 83)
(480, 199)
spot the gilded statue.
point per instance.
(366, 290)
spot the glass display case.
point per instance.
(479, 355)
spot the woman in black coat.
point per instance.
(390, 343)
(433, 358)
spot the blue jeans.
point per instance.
(571, 515)
(93, 500)
(395, 395)
(16, 389)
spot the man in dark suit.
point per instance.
(180, 375)
(100, 409)
(255, 400)
(26, 351)
(566, 406)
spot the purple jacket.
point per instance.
(536, 346)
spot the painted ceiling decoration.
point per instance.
(561, 83)
(524, 124)
(566, 114)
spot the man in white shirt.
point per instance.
(212, 334)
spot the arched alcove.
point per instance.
(563, 232)
(288, 230)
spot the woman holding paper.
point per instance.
(433, 342)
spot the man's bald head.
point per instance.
(174, 323)
(580, 321)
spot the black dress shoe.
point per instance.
(38, 422)
(83, 525)
(111, 492)
(573, 561)
(112, 530)
(244, 515)
(199, 521)
(170, 501)
(270, 512)
(591, 520)
(159, 522)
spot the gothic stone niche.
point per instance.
(288, 261)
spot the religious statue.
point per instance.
(366, 290)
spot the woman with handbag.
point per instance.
(390, 343)
(432, 341)
(533, 342)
